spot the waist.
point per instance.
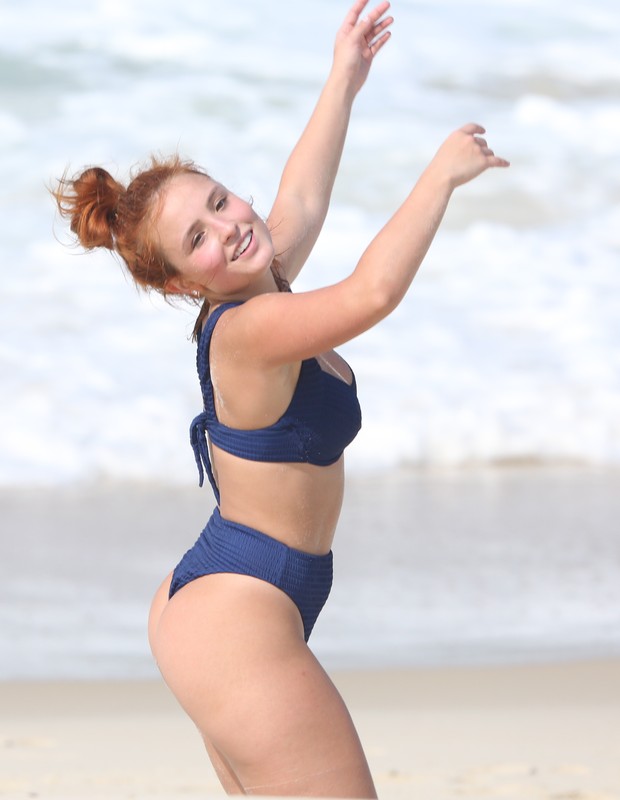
(297, 504)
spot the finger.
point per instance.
(472, 128)
(496, 161)
(381, 26)
(378, 43)
(373, 16)
(482, 142)
(493, 160)
(377, 35)
(354, 12)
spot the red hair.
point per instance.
(104, 213)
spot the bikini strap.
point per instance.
(199, 428)
(200, 445)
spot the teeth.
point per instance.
(243, 246)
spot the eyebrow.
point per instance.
(197, 225)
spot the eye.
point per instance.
(219, 205)
(197, 240)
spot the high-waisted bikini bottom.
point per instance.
(226, 546)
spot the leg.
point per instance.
(231, 649)
(227, 777)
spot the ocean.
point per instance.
(506, 350)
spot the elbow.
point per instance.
(385, 292)
(383, 302)
(382, 279)
(371, 297)
(377, 302)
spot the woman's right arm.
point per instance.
(282, 328)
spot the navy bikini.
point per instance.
(322, 418)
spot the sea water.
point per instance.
(507, 347)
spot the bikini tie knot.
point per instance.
(198, 439)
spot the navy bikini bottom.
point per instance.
(226, 546)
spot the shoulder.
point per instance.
(249, 389)
(211, 319)
(232, 337)
(278, 328)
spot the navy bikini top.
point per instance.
(322, 418)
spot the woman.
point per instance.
(229, 627)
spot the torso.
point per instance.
(296, 502)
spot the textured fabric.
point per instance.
(322, 418)
(229, 547)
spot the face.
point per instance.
(220, 246)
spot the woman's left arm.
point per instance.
(305, 189)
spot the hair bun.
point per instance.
(90, 201)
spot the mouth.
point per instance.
(243, 245)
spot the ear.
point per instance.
(179, 285)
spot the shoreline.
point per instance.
(487, 566)
(540, 732)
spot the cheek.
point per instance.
(207, 263)
(264, 233)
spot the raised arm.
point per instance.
(278, 328)
(305, 189)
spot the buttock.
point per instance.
(229, 547)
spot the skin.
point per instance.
(231, 647)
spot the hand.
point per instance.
(464, 155)
(358, 42)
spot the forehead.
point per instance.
(182, 201)
(185, 187)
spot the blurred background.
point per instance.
(506, 353)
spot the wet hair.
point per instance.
(102, 212)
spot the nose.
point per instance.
(227, 230)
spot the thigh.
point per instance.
(303, 742)
(231, 648)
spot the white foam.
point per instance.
(507, 346)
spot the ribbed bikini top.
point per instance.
(322, 418)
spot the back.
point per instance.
(322, 418)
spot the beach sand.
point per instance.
(528, 732)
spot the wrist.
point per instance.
(438, 180)
(341, 83)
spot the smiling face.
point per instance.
(221, 248)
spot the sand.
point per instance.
(544, 731)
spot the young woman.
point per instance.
(229, 627)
